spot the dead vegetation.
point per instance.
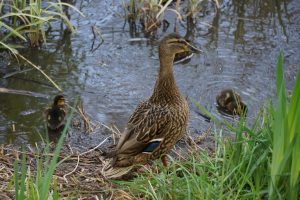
(78, 172)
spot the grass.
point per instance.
(261, 162)
(41, 184)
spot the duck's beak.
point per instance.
(194, 49)
(61, 102)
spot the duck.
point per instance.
(158, 122)
(55, 114)
(230, 102)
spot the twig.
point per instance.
(16, 72)
(138, 39)
(163, 9)
(94, 147)
(217, 4)
(22, 92)
(33, 81)
(86, 120)
(110, 129)
(64, 177)
(96, 32)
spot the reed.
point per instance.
(31, 21)
(151, 13)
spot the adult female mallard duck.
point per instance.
(157, 123)
(230, 102)
(56, 113)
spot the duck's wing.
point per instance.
(144, 129)
(55, 117)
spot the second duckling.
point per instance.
(231, 102)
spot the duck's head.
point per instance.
(59, 100)
(175, 44)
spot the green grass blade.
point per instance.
(13, 31)
(16, 176)
(23, 175)
(48, 177)
(279, 128)
(57, 4)
(14, 51)
(55, 192)
(294, 125)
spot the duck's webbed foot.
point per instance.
(164, 160)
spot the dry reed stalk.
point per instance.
(84, 116)
(22, 92)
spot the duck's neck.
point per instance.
(165, 87)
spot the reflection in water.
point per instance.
(54, 135)
(214, 30)
(240, 48)
(240, 29)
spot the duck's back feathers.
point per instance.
(55, 117)
(151, 131)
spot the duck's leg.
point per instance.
(164, 160)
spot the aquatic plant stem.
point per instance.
(39, 69)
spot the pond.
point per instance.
(240, 46)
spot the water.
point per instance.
(240, 46)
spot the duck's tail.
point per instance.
(110, 172)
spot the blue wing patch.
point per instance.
(152, 145)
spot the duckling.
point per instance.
(231, 102)
(56, 113)
(158, 122)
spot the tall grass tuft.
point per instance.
(30, 21)
(285, 166)
(260, 162)
(41, 184)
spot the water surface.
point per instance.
(240, 45)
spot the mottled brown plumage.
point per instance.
(231, 102)
(56, 113)
(159, 122)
